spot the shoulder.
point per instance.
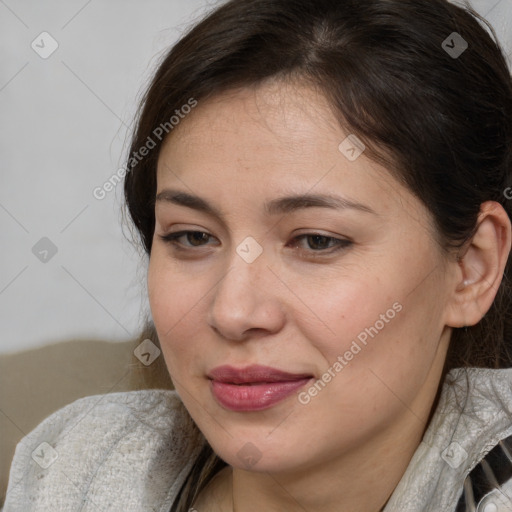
(487, 412)
(130, 448)
(479, 399)
(472, 418)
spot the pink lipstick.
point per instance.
(253, 388)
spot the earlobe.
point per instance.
(481, 266)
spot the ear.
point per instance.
(480, 267)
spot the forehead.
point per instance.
(274, 108)
(277, 122)
(268, 140)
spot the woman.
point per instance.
(321, 188)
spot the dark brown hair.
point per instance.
(442, 124)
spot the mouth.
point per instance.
(255, 374)
(253, 388)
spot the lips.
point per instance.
(253, 374)
(253, 388)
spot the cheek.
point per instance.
(356, 308)
(371, 320)
(386, 339)
(176, 303)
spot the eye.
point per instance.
(195, 237)
(318, 243)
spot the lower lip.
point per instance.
(254, 397)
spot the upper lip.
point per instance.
(253, 373)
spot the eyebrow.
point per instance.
(282, 205)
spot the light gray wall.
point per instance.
(64, 120)
(63, 125)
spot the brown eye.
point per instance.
(195, 238)
(322, 243)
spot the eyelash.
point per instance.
(340, 244)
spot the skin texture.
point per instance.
(297, 307)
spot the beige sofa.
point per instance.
(35, 383)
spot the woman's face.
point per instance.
(346, 291)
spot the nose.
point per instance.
(244, 301)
